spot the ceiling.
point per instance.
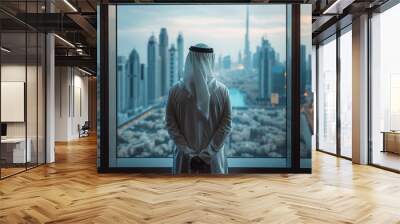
(74, 21)
(332, 15)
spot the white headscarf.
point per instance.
(198, 74)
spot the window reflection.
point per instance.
(346, 94)
(327, 96)
(385, 89)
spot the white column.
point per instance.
(50, 94)
(63, 104)
(360, 90)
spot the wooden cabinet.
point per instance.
(391, 142)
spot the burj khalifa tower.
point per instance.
(247, 53)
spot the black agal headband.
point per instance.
(201, 50)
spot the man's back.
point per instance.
(198, 115)
(197, 130)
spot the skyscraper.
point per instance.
(153, 89)
(278, 82)
(163, 48)
(271, 74)
(247, 53)
(226, 61)
(143, 97)
(122, 84)
(265, 70)
(180, 46)
(133, 72)
(256, 58)
(173, 66)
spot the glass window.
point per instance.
(147, 50)
(151, 52)
(32, 94)
(22, 91)
(15, 148)
(327, 96)
(346, 94)
(306, 91)
(385, 89)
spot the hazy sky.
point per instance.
(220, 26)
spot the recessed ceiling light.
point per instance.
(70, 5)
(332, 7)
(5, 50)
(64, 40)
(84, 71)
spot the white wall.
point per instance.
(33, 126)
(18, 73)
(61, 103)
(71, 102)
(12, 73)
(79, 117)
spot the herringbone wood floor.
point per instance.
(71, 191)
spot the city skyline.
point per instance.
(254, 71)
(146, 78)
(212, 25)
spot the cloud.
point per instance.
(222, 26)
(192, 21)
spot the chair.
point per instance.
(84, 130)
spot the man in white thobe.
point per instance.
(198, 116)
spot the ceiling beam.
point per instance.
(78, 61)
(337, 7)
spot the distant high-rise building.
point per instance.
(122, 85)
(247, 53)
(264, 72)
(143, 93)
(180, 46)
(271, 73)
(153, 79)
(240, 61)
(278, 81)
(133, 72)
(173, 66)
(256, 59)
(226, 61)
(265, 69)
(163, 50)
